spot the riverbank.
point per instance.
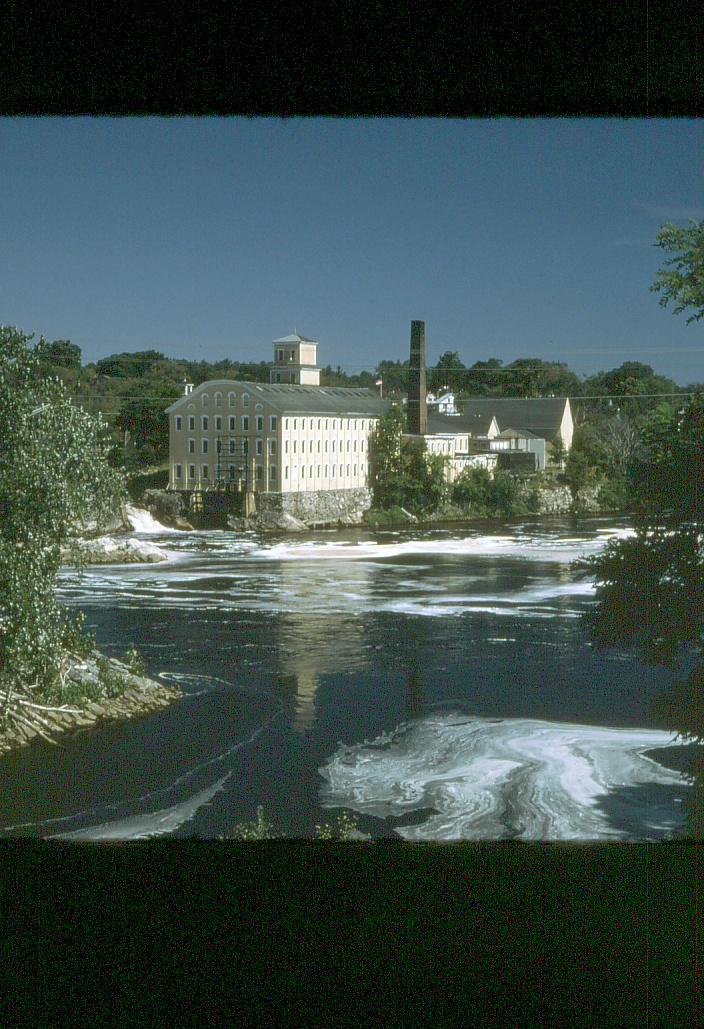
(111, 692)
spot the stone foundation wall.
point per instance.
(558, 499)
(318, 507)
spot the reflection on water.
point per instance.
(284, 648)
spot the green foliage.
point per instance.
(143, 416)
(650, 588)
(615, 495)
(53, 470)
(75, 639)
(135, 662)
(402, 473)
(470, 491)
(681, 279)
(260, 829)
(382, 519)
(501, 495)
(112, 682)
(347, 828)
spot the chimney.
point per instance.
(417, 404)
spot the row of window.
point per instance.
(234, 471)
(316, 445)
(234, 446)
(273, 422)
(232, 422)
(231, 399)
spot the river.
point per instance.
(438, 683)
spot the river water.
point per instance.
(436, 682)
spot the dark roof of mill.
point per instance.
(539, 416)
(288, 398)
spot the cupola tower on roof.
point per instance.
(295, 361)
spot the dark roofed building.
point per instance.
(548, 417)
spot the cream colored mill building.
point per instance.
(287, 436)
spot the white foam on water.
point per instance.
(143, 521)
(558, 550)
(499, 778)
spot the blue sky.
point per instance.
(209, 238)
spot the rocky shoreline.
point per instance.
(140, 697)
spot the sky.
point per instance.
(207, 238)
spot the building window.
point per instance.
(294, 446)
(272, 446)
(245, 447)
(285, 423)
(333, 446)
(191, 446)
(355, 446)
(318, 472)
(204, 446)
(231, 399)
(204, 471)
(311, 423)
(286, 472)
(325, 444)
(340, 469)
(310, 472)
(177, 422)
(260, 423)
(318, 446)
(191, 471)
(259, 446)
(354, 470)
(272, 472)
(192, 423)
(280, 356)
(232, 471)
(348, 469)
(218, 423)
(326, 471)
(303, 446)
(348, 446)
(232, 447)
(303, 471)
(285, 446)
(245, 423)
(204, 423)
(295, 423)
(218, 399)
(232, 423)
(260, 473)
(178, 471)
(272, 422)
(361, 445)
(245, 400)
(318, 422)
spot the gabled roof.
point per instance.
(288, 398)
(537, 415)
(476, 423)
(294, 338)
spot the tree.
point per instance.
(403, 474)
(681, 279)
(142, 415)
(650, 588)
(449, 371)
(53, 474)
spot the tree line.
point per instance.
(131, 390)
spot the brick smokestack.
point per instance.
(417, 404)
